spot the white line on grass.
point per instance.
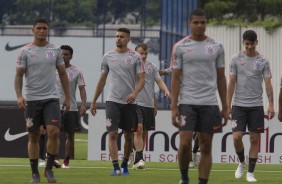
(159, 169)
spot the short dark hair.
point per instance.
(250, 35)
(197, 12)
(67, 47)
(40, 20)
(125, 30)
(144, 46)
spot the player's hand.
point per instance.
(82, 110)
(93, 109)
(167, 94)
(270, 112)
(21, 103)
(131, 97)
(225, 114)
(66, 105)
(175, 118)
(155, 111)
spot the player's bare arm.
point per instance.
(18, 87)
(155, 105)
(175, 88)
(140, 84)
(230, 92)
(99, 88)
(222, 90)
(83, 100)
(163, 87)
(269, 93)
(65, 83)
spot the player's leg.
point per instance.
(42, 146)
(255, 126)
(210, 122)
(69, 120)
(52, 119)
(128, 124)
(238, 124)
(138, 139)
(113, 115)
(185, 136)
(33, 122)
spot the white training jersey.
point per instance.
(76, 79)
(249, 72)
(40, 64)
(122, 69)
(199, 61)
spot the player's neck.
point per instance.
(122, 49)
(67, 65)
(198, 37)
(251, 53)
(40, 43)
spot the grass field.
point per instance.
(82, 171)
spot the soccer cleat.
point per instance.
(57, 163)
(50, 176)
(139, 165)
(124, 170)
(35, 178)
(195, 159)
(191, 164)
(131, 157)
(65, 165)
(183, 182)
(251, 177)
(240, 170)
(116, 173)
(42, 162)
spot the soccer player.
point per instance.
(71, 119)
(126, 76)
(248, 69)
(197, 72)
(38, 61)
(280, 102)
(146, 105)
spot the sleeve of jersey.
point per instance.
(267, 70)
(220, 60)
(157, 73)
(139, 65)
(232, 66)
(22, 59)
(60, 59)
(81, 81)
(176, 62)
(104, 65)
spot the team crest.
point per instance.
(129, 60)
(209, 50)
(148, 69)
(258, 65)
(50, 55)
(108, 122)
(233, 123)
(29, 122)
(182, 120)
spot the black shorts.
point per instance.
(70, 121)
(251, 117)
(42, 112)
(146, 116)
(200, 118)
(121, 116)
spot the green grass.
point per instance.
(82, 171)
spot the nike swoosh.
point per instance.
(9, 137)
(9, 48)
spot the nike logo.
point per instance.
(9, 48)
(216, 127)
(9, 137)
